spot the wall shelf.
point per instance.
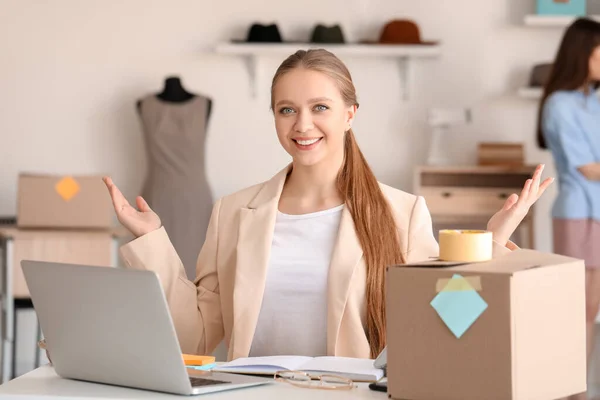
(530, 93)
(251, 52)
(553, 21)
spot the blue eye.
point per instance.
(321, 107)
(285, 110)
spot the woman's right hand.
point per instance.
(137, 222)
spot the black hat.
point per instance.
(540, 74)
(264, 33)
(324, 34)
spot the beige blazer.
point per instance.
(224, 300)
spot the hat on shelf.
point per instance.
(402, 31)
(327, 34)
(540, 74)
(262, 33)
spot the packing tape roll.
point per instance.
(465, 245)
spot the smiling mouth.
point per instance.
(307, 142)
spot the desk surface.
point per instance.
(43, 383)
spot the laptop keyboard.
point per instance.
(198, 382)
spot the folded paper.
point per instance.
(459, 309)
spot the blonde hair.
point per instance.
(373, 220)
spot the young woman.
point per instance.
(569, 125)
(296, 265)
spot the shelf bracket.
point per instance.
(404, 65)
(250, 61)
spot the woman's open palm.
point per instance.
(507, 219)
(138, 222)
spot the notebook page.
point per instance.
(266, 364)
(344, 366)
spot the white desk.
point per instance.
(44, 384)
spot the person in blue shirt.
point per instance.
(569, 126)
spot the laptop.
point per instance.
(113, 326)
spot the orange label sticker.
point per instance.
(67, 188)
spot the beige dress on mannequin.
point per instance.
(176, 187)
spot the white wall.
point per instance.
(71, 71)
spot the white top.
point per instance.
(293, 315)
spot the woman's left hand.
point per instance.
(507, 219)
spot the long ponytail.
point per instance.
(376, 231)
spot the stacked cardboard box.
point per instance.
(61, 219)
(52, 201)
(503, 154)
(512, 328)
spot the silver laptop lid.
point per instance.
(107, 325)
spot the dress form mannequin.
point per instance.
(174, 92)
(175, 127)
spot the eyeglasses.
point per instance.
(304, 380)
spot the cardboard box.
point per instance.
(52, 201)
(528, 343)
(561, 7)
(65, 246)
(504, 154)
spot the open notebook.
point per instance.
(357, 369)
